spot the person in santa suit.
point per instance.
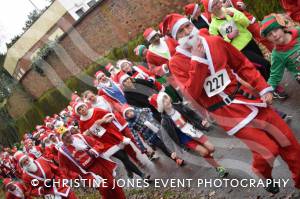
(81, 156)
(33, 151)
(292, 7)
(200, 59)
(105, 128)
(48, 178)
(200, 20)
(253, 27)
(112, 70)
(159, 52)
(15, 190)
(111, 90)
(137, 92)
(97, 101)
(138, 72)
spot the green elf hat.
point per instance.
(139, 50)
(268, 24)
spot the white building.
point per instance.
(77, 8)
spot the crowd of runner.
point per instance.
(202, 68)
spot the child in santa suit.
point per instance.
(104, 127)
(185, 128)
(15, 190)
(102, 102)
(200, 59)
(253, 27)
(141, 122)
(286, 54)
(80, 157)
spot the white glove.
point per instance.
(126, 140)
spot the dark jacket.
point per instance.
(139, 95)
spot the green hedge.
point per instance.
(261, 8)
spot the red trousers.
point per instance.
(268, 136)
(255, 30)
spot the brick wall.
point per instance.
(111, 24)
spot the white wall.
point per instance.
(73, 5)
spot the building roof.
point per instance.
(38, 29)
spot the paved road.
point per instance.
(233, 155)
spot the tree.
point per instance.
(32, 17)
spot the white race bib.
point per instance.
(51, 196)
(216, 83)
(97, 130)
(227, 28)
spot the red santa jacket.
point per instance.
(20, 193)
(108, 134)
(192, 75)
(46, 171)
(70, 165)
(156, 61)
(292, 7)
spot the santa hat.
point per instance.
(109, 67)
(268, 24)
(149, 33)
(139, 50)
(99, 74)
(76, 105)
(126, 108)
(43, 137)
(7, 181)
(191, 9)
(121, 62)
(121, 77)
(156, 100)
(208, 5)
(36, 134)
(172, 23)
(19, 156)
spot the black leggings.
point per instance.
(159, 144)
(253, 53)
(129, 165)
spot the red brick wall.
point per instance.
(111, 24)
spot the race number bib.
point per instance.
(97, 130)
(216, 83)
(227, 28)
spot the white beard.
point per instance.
(31, 167)
(190, 40)
(106, 84)
(79, 144)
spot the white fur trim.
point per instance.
(165, 68)
(253, 20)
(88, 116)
(183, 51)
(205, 19)
(112, 150)
(120, 62)
(20, 160)
(177, 25)
(266, 90)
(123, 78)
(160, 96)
(96, 152)
(152, 34)
(100, 74)
(244, 122)
(127, 109)
(78, 105)
(210, 2)
(195, 10)
(200, 60)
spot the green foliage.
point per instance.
(261, 8)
